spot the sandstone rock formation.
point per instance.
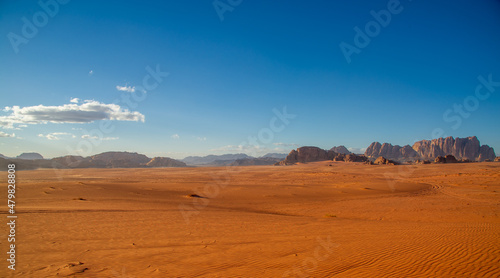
(355, 158)
(461, 148)
(307, 154)
(440, 159)
(497, 159)
(391, 152)
(383, 161)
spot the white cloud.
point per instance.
(87, 112)
(56, 135)
(3, 134)
(91, 72)
(201, 138)
(86, 136)
(74, 100)
(125, 88)
(175, 136)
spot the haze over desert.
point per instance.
(320, 219)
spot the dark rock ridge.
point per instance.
(340, 149)
(461, 148)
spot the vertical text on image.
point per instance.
(11, 215)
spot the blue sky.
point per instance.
(228, 69)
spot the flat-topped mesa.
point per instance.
(462, 149)
(307, 154)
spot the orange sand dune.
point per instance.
(324, 219)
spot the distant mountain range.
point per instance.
(103, 160)
(233, 159)
(462, 149)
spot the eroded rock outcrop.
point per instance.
(307, 154)
(390, 151)
(461, 148)
(383, 161)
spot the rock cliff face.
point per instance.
(389, 151)
(461, 148)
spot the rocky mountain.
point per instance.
(30, 156)
(103, 160)
(340, 149)
(390, 151)
(461, 148)
(210, 159)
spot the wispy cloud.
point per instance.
(91, 72)
(86, 112)
(86, 136)
(5, 135)
(201, 138)
(56, 135)
(125, 88)
(175, 136)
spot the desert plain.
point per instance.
(321, 219)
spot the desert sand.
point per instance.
(323, 219)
